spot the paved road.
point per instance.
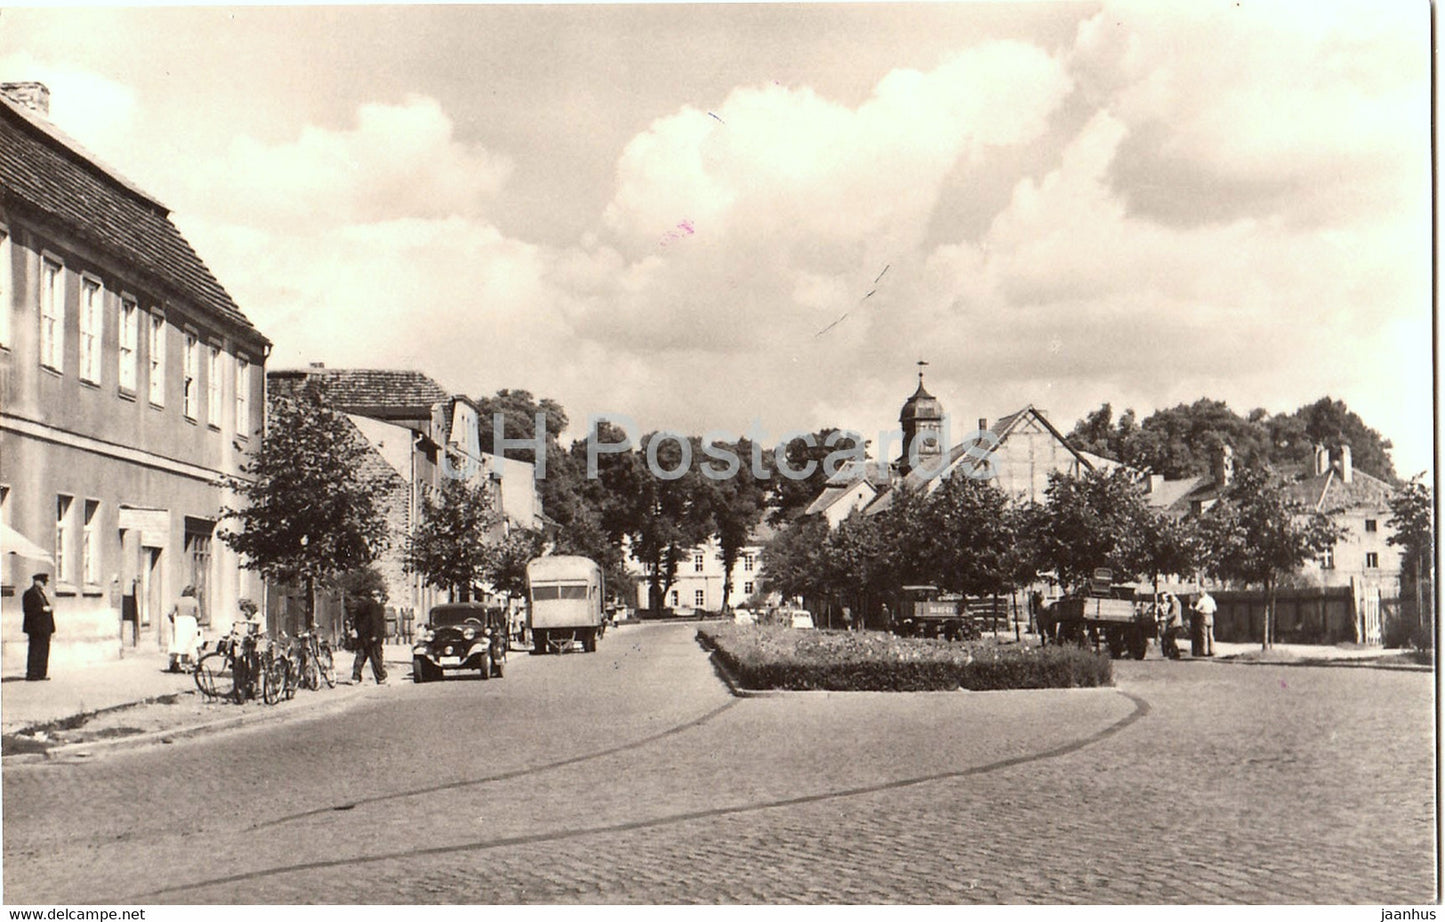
(630, 775)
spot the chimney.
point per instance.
(982, 423)
(28, 94)
(1322, 459)
(318, 364)
(1154, 483)
(1222, 465)
(1347, 465)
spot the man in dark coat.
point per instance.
(369, 622)
(39, 625)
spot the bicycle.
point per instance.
(316, 662)
(276, 673)
(215, 673)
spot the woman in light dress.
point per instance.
(185, 631)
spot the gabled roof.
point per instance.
(388, 393)
(850, 472)
(44, 172)
(835, 492)
(971, 454)
(1177, 495)
(1329, 493)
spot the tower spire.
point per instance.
(921, 363)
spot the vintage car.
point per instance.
(461, 635)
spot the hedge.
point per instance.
(767, 657)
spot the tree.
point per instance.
(792, 560)
(1091, 520)
(1329, 422)
(1168, 545)
(1412, 520)
(452, 546)
(738, 503)
(1256, 535)
(311, 506)
(506, 566)
(663, 516)
(789, 496)
(1180, 441)
(968, 538)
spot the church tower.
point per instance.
(921, 420)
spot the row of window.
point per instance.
(1327, 560)
(697, 562)
(699, 596)
(129, 325)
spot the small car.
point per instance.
(743, 616)
(798, 618)
(461, 635)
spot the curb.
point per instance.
(93, 747)
(1345, 663)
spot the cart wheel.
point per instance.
(1138, 643)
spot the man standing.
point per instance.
(1173, 624)
(39, 625)
(1205, 607)
(369, 622)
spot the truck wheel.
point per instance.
(589, 641)
(539, 642)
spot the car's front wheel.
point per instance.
(420, 671)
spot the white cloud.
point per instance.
(398, 161)
(1208, 200)
(98, 112)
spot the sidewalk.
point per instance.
(138, 678)
(1308, 654)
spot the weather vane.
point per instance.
(921, 363)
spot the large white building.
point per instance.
(700, 573)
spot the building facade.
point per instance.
(130, 384)
(417, 435)
(700, 577)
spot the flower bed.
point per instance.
(764, 657)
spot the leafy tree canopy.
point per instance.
(310, 505)
(452, 545)
(1180, 441)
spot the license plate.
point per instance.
(451, 661)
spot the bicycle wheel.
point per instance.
(326, 663)
(247, 680)
(214, 677)
(310, 675)
(273, 680)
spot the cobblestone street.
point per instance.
(631, 775)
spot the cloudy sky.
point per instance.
(658, 211)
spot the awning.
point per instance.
(12, 542)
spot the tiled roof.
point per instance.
(832, 494)
(850, 472)
(43, 171)
(1170, 494)
(1328, 492)
(367, 389)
